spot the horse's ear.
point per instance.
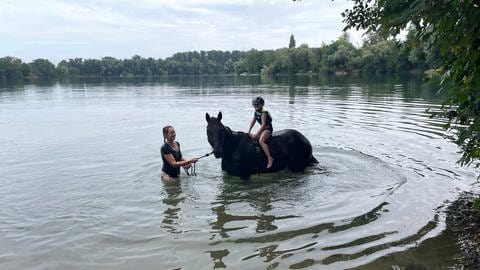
(207, 117)
(219, 116)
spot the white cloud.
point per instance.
(62, 29)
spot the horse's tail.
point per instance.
(312, 161)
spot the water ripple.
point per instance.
(80, 183)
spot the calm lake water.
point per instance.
(80, 185)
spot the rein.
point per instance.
(192, 171)
(206, 155)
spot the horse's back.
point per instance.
(296, 146)
(290, 136)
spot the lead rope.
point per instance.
(192, 171)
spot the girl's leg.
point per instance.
(265, 135)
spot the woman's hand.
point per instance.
(189, 163)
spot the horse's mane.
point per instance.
(235, 133)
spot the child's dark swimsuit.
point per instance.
(258, 117)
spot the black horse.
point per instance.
(241, 156)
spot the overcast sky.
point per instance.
(63, 29)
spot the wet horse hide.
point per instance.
(241, 156)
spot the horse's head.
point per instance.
(216, 134)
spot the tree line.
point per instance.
(377, 55)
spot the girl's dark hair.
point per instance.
(165, 131)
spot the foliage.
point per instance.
(10, 68)
(378, 55)
(450, 33)
(476, 203)
(291, 44)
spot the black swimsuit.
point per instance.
(258, 117)
(177, 155)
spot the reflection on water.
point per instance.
(260, 201)
(81, 189)
(217, 256)
(172, 201)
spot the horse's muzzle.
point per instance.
(217, 154)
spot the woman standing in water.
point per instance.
(172, 156)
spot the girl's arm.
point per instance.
(263, 127)
(252, 123)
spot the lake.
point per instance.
(80, 180)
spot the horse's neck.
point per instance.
(238, 141)
(231, 143)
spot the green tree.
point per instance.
(291, 44)
(240, 66)
(338, 55)
(228, 66)
(72, 67)
(92, 67)
(11, 68)
(381, 56)
(280, 64)
(62, 71)
(42, 68)
(453, 28)
(304, 59)
(254, 61)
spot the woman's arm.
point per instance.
(171, 160)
